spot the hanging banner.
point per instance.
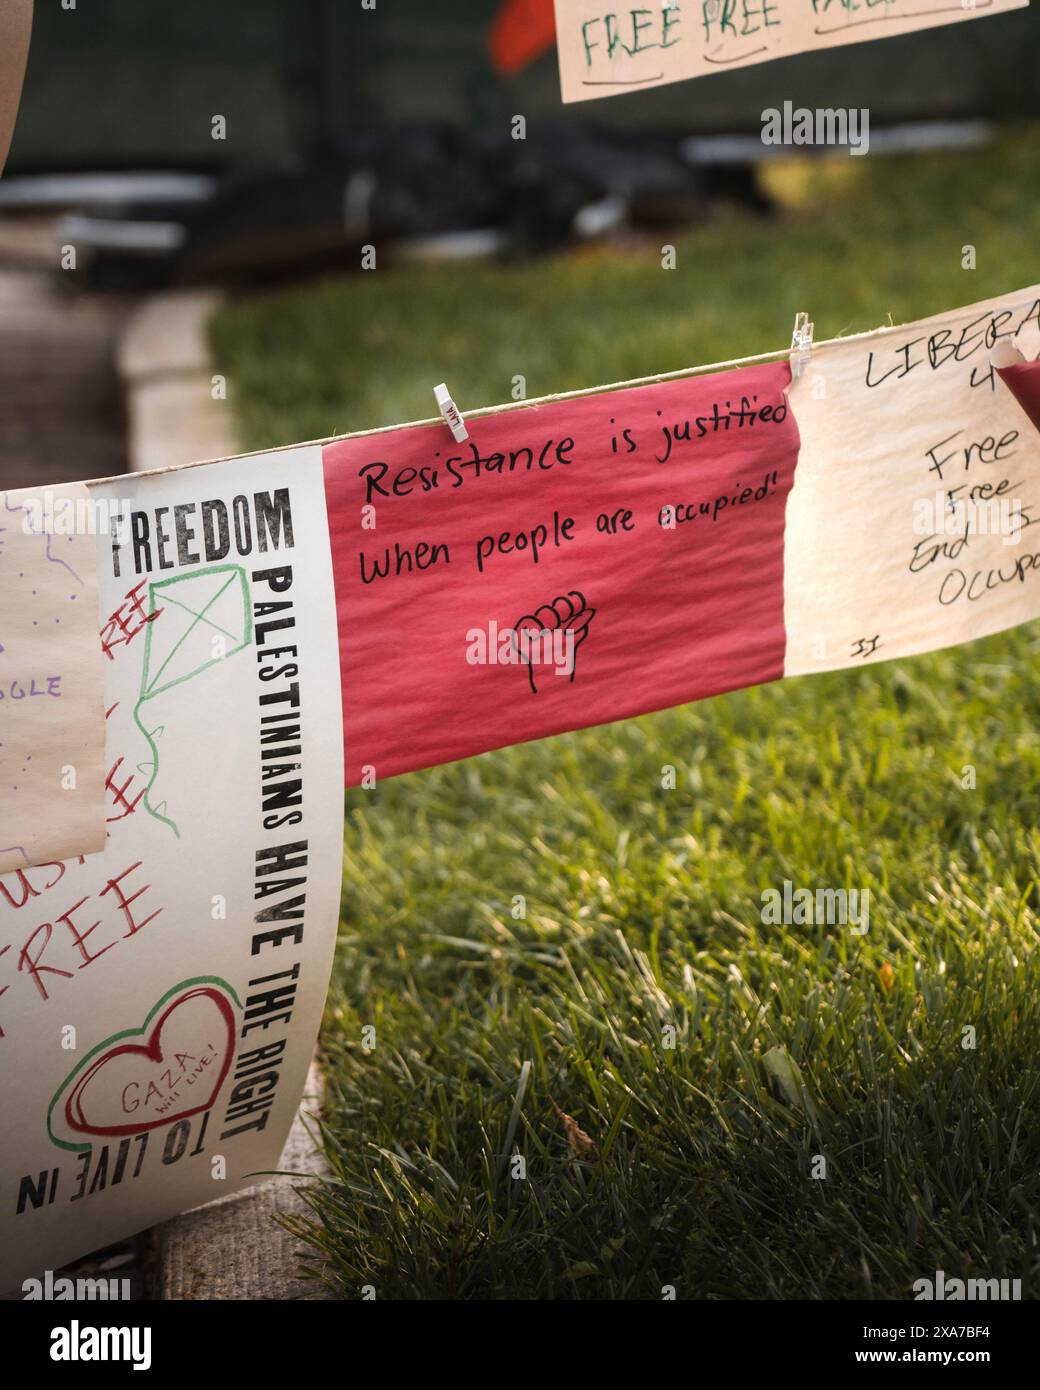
(641, 531)
(159, 1001)
(52, 713)
(582, 561)
(918, 485)
(606, 49)
(570, 563)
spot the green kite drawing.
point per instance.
(210, 619)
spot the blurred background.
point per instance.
(344, 127)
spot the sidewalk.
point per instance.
(61, 404)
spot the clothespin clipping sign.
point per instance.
(450, 411)
(801, 344)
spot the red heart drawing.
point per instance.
(176, 1072)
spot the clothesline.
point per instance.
(482, 412)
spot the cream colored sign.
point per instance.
(52, 716)
(15, 28)
(914, 521)
(606, 48)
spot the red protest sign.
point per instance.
(568, 565)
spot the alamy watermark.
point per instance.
(801, 125)
(985, 511)
(829, 907)
(944, 1290)
(47, 514)
(80, 1342)
(510, 646)
(62, 1288)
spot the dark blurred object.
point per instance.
(417, 190)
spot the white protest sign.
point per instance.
(159, 1001)
(909, 526)
(606, 48)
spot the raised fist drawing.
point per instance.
(548, 639)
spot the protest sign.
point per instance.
(159, 1000)
(918, 483)
(646, 523)
(572, 561)
(52, 716)
(606, 49)
(585, 560)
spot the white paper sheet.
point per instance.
(159, 1001)
(52, 716)
(912, 523)
(607, 49)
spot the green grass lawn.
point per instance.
(529, 931)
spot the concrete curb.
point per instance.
(163, 360)
(231, 1248)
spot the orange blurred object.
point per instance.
(521, 32)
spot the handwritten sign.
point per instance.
(606, 49)
(52, 720)
(910, 524)
(586, 560)
(15, 29)
(642, 530)
(159, 1001)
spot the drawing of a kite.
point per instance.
(208, 618)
